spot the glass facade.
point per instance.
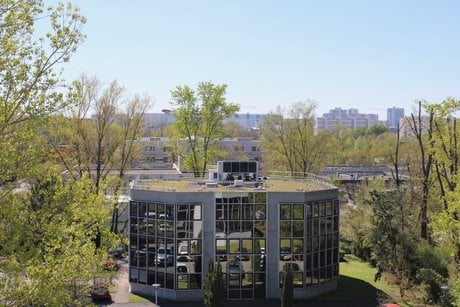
(165, 245)
(254, 234)
(241, 234)
(309, 241)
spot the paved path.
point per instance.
(122, 296)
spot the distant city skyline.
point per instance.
(351, 54)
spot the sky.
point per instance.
(367, 55)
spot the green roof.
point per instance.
(269, 185)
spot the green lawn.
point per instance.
(356, 287)
(356, 284)
(136, 298)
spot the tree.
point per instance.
(426, 159)
(48, 241)
(104, 143)
(289, 138)
(29, 73)
(199, 122)
(214, 292)
(393, 244)
(287, 288)
(131, 123)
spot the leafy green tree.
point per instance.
(289, 140)
(29, 73)
(393, 242)
(287, 287)
(214, 291)
(102, 145)
(199, 123)
(49, 242)
(377, 130)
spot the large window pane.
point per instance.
(182, 282)
(260, 229)
(260, 212)
(151, 211)
(297, 228)
(298, 211)
(285, 212)
(195, 212)
(134, 225)
(142, 209)
(285, 229)
(195, 248)
(260, 198)
(248, 211)
(133, 209)
(196, 229)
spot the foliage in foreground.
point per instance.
(214, 291)
(54, 241)
(287, 290)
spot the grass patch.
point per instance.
(357, 286)
(136, 298)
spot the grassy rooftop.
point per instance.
(270, 185)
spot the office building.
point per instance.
(254, 226)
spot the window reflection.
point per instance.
(309, 241)
(240, 243)
(166, 241)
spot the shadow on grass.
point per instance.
(139, 298)
(351, 292)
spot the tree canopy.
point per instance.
(199, 123)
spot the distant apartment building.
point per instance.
(154, 152)
(406, 122)
(350, 119)
(393, 116)
(241, 148)
(158, 121)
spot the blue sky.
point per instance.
(369, 55)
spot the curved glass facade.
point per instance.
(309, 241)
(254, 233)
(166, 245)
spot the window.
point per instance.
(240, 241)
(165, 245)
(309, 241)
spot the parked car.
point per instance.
(285, 253)
(118, 252)
(164, 256)
(181, 268)
(222, 254)
(235, 272)
(100, 291)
